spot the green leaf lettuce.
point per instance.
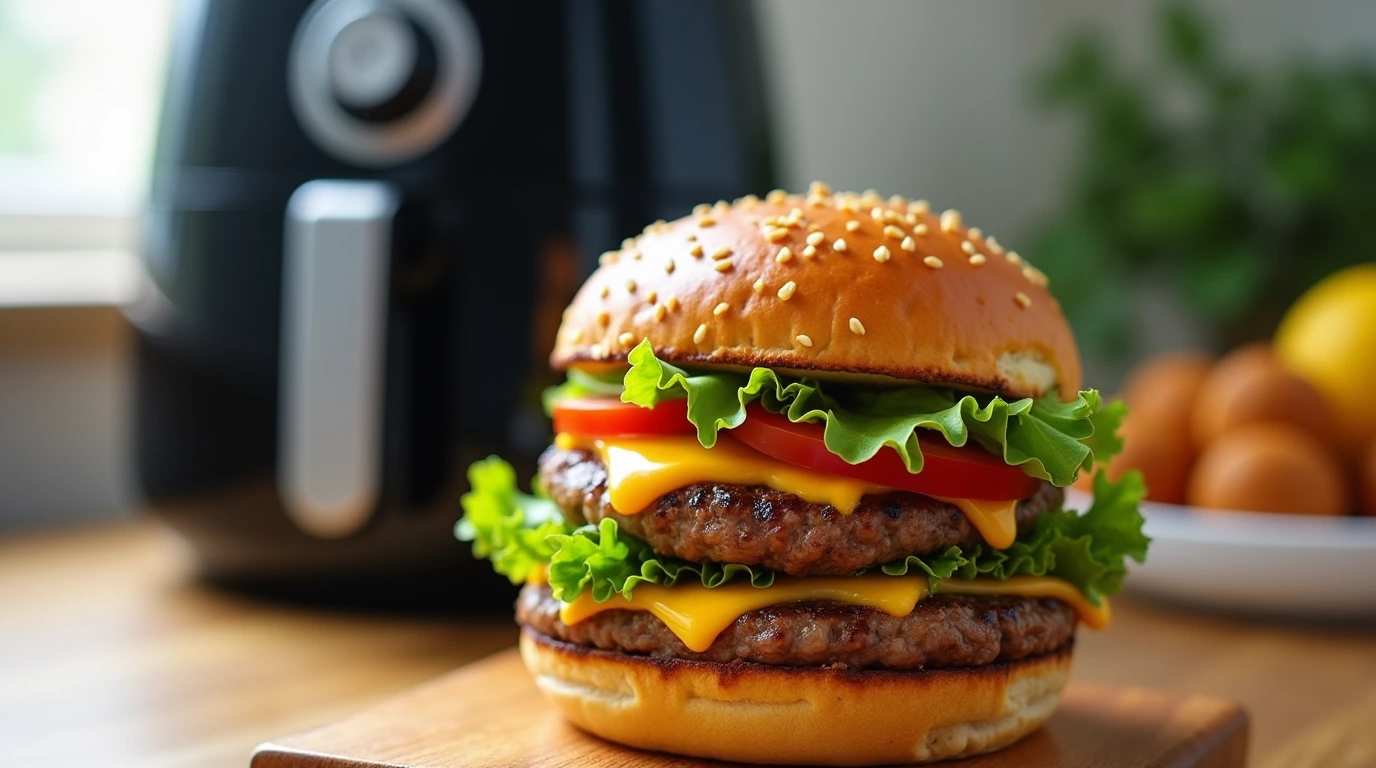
(1046, 437)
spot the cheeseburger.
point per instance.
(804, 501)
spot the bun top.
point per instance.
(840, 285)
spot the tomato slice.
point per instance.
(608, 416)
(968, 472)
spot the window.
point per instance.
(80, 86)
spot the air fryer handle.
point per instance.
(336, 266)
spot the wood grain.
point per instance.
(491, 714)
(111, 655)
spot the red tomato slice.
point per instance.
(607, 416)
(969, 472)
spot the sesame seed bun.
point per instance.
(795, 715)
(835, 285)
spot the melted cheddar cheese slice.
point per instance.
(696, 614)
(640, 470)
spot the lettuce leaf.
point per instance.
(506, 526)
(520, 533)
(1047, 438)
(608, 562)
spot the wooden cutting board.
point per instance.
(490, 714)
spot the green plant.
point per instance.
(1240, 188)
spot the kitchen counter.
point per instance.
(111, 655)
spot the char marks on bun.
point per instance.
(835, 285)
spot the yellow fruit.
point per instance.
(1329, 338)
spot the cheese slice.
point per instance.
(641, 469)
(996, 521)
(696, 614)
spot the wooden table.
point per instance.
(110, 655)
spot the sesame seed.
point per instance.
(784, 255)
(877, 213)
(721, 253)
(628, 244)
(596, 352)
(610, 257)
(788, 289)
(660, 312)
(977, 260)
(950, 219)
(992, 244)
(814, 228)
(702, 209)
(852, 225)
(857, 327)
(933, 262)
(606, 291)
(881, 254)
(652, 297)
(758, 285)
(669, 266)
(974, 233)
(700, 335)
(721, 309)
(724, 265)
(750, 201)
(692, 238)
(847, 205)
(893, 232)
(804, 339)
(919, 207)
(776, 196)
(908, 244)
(898, 201)
(968, 247)
(635, 255)
(870, 197)
(809, 251)
(817, 201)
(775, 234)
(1022, 299)
(630, 285)
(721, 207)
(695, 251)
(815, 238)
(840, 245)
(819, 188)
(920, 230)
(1013, 257)
(672, 303)
(1034, 276)
(626, 338)
(707, 221)
(603, 318)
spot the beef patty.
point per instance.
(756, 525)
(942, 631)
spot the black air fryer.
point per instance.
(366, 218)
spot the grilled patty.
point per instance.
(942, 631)
(756, 525)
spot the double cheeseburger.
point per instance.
(804, 500)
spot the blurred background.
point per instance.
(1182, 171)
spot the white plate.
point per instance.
(1280, 565)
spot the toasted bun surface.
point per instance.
(795, 715)
(890, 290)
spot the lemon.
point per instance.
(1329, 338)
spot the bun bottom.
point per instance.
(798, 715)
